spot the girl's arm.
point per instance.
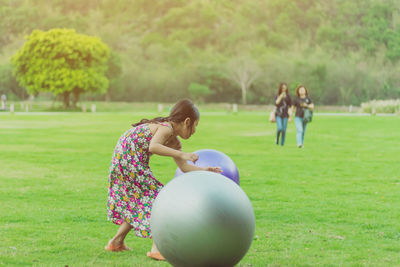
(157, 146)
(186, 167)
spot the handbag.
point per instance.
(272, 117)
(307, 115)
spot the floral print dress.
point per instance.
(132, 187)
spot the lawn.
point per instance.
(334, 202)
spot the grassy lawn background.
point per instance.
(335, 202)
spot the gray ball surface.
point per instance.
(202, 219)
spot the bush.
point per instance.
(199, 92)
(381, 106)
(9, 85)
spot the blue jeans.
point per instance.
(281, 125)
(301, 130)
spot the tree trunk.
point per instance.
(66, 99)
(243, 86)
(75, 99)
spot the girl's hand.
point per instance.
(189, 157)
(214, 169)
(290, 119)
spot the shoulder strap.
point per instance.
(165, 124)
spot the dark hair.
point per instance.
(182, 109)
(280, 88)
(298, 88)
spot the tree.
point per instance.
(243, 71)
(62, 62)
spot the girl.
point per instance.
(282, 102)
(301, 102)
(132, 186)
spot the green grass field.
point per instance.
(334, 203)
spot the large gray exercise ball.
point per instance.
(202, 219)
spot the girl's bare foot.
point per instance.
(113, 246)
(117, 242)
(155, 254)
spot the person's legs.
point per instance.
(117, 242)
(284, 126)
(279, 126)
(304, 132)
(299, 131)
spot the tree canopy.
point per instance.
(61, 61)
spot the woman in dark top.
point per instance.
(300, 103)
(282, 102)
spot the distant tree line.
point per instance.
(345, 52)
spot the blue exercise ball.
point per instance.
(215, 158)
(202, 219)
